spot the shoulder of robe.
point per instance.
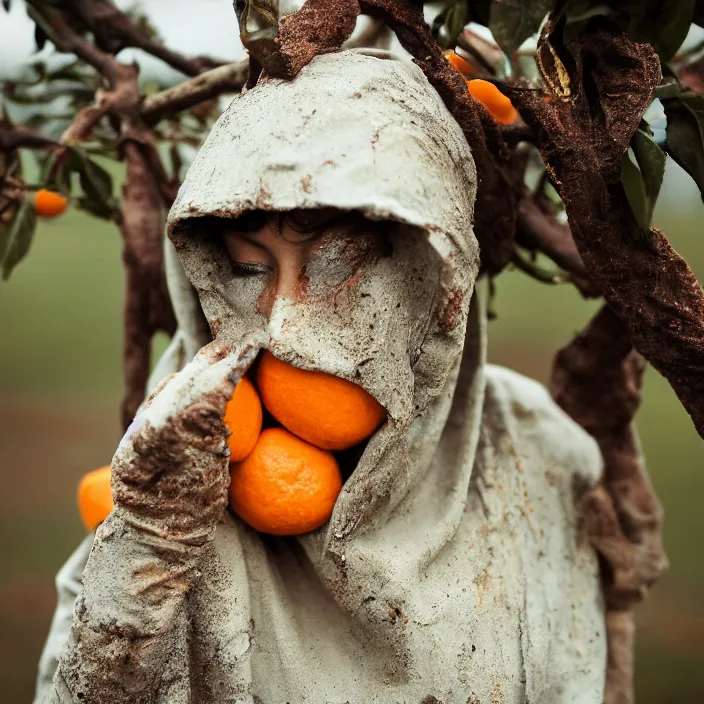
(523, 410)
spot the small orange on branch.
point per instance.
(49, 204)
(500, 107)
(460, 63)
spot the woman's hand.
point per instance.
(170, 479)
(170, 472)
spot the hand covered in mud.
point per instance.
(170, 472)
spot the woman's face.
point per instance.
(301, 253)
(322, 289)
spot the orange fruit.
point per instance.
(500, 107)
(95, 497)
(49, 204)
(326, 411)
(285, 486)
(243, 417)
(460, 63)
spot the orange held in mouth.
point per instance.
(243, 417)
(285, 486)
(95, 497)
(326, 411)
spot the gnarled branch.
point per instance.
(208, 85)
(583, 142)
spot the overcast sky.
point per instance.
(202, 27)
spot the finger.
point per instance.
(213, 373)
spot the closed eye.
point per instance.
(248, 269)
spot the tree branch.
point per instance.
(114, 29)
(596, 379)
(583, 142)
(208, 85)
(539, 231)
(23, 137)
(60, 33)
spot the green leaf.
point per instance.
(634, 187)
(457, 15)
(99, 211)
(662, 23)
(651, 162)
(16, 239)
(578, 13)
(56, 175)
(669, 88)
(685, 134)
(96, 183)
(176, 162)
(513, 21)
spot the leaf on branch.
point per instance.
(56, 175)
(96, 183)
(579, 12)
(642, 172)
(456, 17)
(513, 21)
(651, 161)
(97, 210)
(685, 134)
(524, 264)
(634, 187)
(662, 23)
(16, 238)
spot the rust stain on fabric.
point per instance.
(452, 311)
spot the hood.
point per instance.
(360, 130)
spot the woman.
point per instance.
(329, 220)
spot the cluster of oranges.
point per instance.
(487, 93)
(284, 480)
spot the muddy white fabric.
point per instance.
(452, 569)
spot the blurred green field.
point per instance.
(60, 379)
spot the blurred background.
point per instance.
(60, 386)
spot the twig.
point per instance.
(538, 230)
(23, 137)
(113, 27)
(536, 272)
(478, 47)
(65, 39)
(208, 85)
(513, 134)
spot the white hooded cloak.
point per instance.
(453, 568)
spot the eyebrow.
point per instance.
(249, 237)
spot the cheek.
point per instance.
(338, 262)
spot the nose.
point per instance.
(286, 287)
